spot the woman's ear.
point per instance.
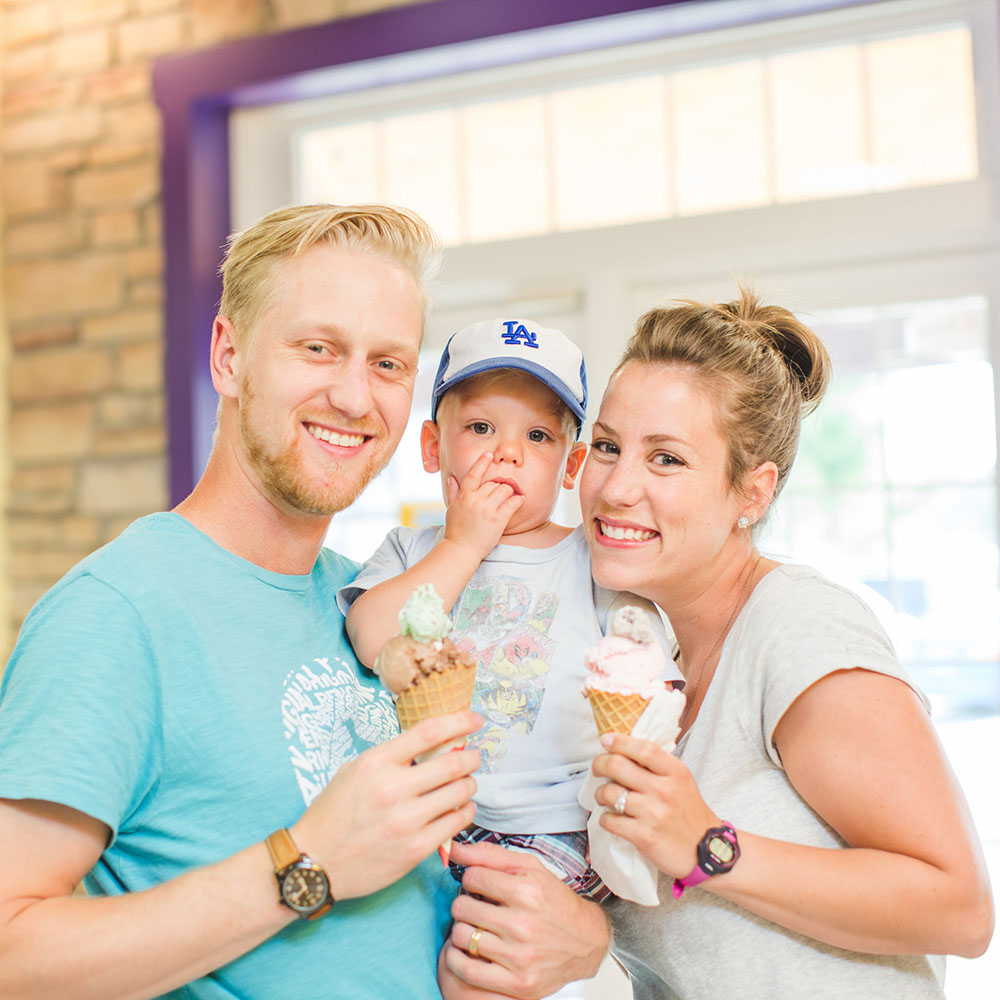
(760, 485)
(224, 359)
(574, 463)
(430, 446)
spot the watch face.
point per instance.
(305, 889)
(721, 850)
(718, 850)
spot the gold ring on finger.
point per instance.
(473, 948)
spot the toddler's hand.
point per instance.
(479, 509)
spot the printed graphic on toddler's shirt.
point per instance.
(330, 717)
(504, 625)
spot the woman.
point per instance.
(812, 839)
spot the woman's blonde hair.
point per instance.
(765, 368)
(396, 235)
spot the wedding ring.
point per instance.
(473, 948)
(619, 807)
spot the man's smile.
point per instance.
(335, 437)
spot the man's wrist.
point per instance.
(303, 885)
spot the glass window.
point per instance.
(687, 140)
(610, 147)
(720, 138)
(819, 135)
(922, 109)
(340, 163)
(894, 489)
(507, 189)
(420, 164)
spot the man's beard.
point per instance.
(283, 473)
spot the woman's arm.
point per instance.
(860, 749)
(537, 935)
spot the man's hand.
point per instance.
(537, 935)
(381, 814)
(479, 509)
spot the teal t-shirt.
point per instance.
(195, 702)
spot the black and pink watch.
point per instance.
(718, 851)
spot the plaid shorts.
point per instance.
(564, 854)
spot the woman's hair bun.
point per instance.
(801, 349)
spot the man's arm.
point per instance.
(377, 819)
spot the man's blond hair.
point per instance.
(395, 235)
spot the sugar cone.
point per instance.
(614, 712)
(438, 693)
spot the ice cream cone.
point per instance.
(615, 712)
(427, 674)
(437, 693)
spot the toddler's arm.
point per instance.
(478, 512)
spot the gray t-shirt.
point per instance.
(796, 628)
(527, 616)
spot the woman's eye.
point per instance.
(604, 447)
(665, 459)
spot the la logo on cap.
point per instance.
(518, 334)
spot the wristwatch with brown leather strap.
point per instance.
(302, 884)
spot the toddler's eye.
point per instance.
(538, 436)
(479, 427)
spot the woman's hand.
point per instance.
(665, 816)
(537, 934)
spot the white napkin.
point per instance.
(624, 870)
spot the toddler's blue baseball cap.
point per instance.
(544, 352)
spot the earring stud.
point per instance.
(743, 522)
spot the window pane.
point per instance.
(819, 147)
(843, 532)
(610, 153)
(339, 164)
(939, 424)
(923, 108)
(720, 138)
(505, 165)
(894, 489)
(841, 444)
(945, 574)
(420, 168)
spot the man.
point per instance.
(182, 723)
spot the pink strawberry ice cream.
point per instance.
(629, 660)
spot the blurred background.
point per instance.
(583, 163)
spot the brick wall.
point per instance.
(83, 263)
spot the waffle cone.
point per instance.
(437, 693)
(614, 712)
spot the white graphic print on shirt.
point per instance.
(329, 718)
